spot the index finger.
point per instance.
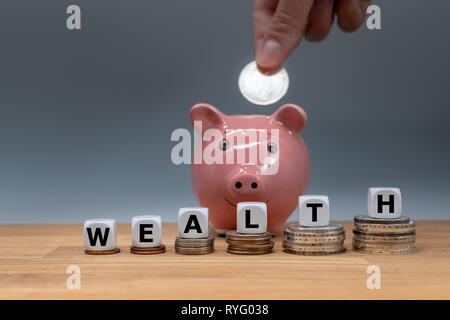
(263, 11)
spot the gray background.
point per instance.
(86, 116)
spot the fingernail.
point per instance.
(268, 54)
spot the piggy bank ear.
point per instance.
(209, 116)
(291, 116)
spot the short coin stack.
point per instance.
(249, 243)
(384, 235)
(194, 246)
(324, 240)
(150, 250)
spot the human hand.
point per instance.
(279, 25)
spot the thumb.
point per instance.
(284, 33)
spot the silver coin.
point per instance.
(367, 219)
(234, 235)
(194, 251)
(194, 242)
(318, 240)
(295, 226)
(194, 246)
(210, 238)
(386, 228)
(361, 244)
(384, 235)
(383, 249)
(314, 237)
(330, 230)
(386, 244)
(386, 251)
(325, 239)
(314, 253)
(262, 89)
(396, 252)
(312, 246)
(252, 241)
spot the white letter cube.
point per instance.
(193, 222)
(100, 234)
(314, 211)
(251, 217)
(384, 203)
(146, 231)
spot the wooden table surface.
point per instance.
(34, 260)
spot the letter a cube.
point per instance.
(193, 222)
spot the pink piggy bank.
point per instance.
(249, 158)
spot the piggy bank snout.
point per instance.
(246, 184)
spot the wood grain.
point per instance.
(34, 259)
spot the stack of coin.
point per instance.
(313, 240)
(249, 243)
(194, 246)
(148, 250)
(384, 236)
(104, 252)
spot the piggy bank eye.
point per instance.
(272, 147)
(224, 144)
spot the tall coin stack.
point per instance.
(251, 236)
(193, 228)
(314, 235)
(313, 240)
(194, 246)
(241, 243)
(384, 230)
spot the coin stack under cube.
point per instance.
(100, 236)
(239, 243)
(146, 233)
(194, 236)
(314, 235)
(313, 240)
(194, 246)
(384, 230)
(251, 236)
